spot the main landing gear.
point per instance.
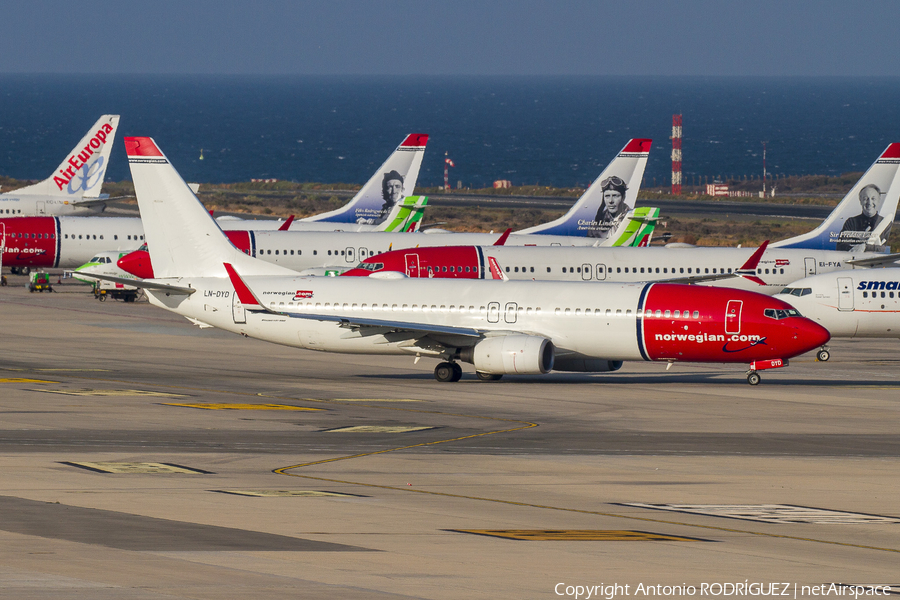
(823, 354)
(447, 371)
(753, 377)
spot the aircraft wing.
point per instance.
(143, 283)
(874, 261)
(252, 303)
(747, 271)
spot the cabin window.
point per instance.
(568, 311)
(618, 269)
(548, 269)
(642, 269)
(608, 312)
(640, 312)
(599, 269)
(564, 269)
(578, 312)
(696, 314)
(668, 314)
(628, 313)
(865, 294)
(116, 236)
(618, 311)
(507, 269)
(665, 270)
(315, 252)
(689, 270)
(882, 294)
(467, 269)
(329, 253)
(79, 236)
(626, 269)
(579, 269)
(767, 271)
(657, 269)
(677, 313)
(557, 311)
(276, 253)
(782, 271)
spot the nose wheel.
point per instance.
(753, 378)
(823, 355)
(447, 372)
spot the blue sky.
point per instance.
(453, 37)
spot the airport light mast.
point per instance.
(447, 164)
(764, 169)
(676, 155)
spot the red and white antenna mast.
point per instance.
(676, 155)
(447, 164)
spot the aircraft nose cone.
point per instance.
(811, 335)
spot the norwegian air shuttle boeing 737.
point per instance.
(780, 264)
(498, 326)
(74, 188)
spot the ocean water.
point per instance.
(547, 131)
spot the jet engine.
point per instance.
(586, 365)
(513, 354)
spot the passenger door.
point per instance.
(412, 265)
(601, 272)
(845, 293)
(350, 256)
(237, 309)
(586, 272)
(733, 316)
(810, 266)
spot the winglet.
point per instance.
(287, 224)
(502, 240)
(496, 271)
(748, 269)
(247, 297)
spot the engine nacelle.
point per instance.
(586, 365)
(511, 354)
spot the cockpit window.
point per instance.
(796, 291)
(779, 313)
(370, 266)
(96, 259)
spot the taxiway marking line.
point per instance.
(526, 425)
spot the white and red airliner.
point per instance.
(500, 327)
(74, 187)
(781, 263)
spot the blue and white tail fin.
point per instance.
(603, 207)
(395, 180)
(81, 173)
(863, 219)
(183, 238)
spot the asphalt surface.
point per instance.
(141, 457)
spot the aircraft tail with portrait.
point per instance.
(618, 183)
(377, 197)
(81, 173)
(863, 219)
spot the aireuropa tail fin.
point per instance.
(862, 221)
(636, 229)
(183, 238)
(604, 205)
(81, 173)
(396, 179)
(406, 215)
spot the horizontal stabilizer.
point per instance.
(142, 283)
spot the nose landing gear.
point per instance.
(823, 354)
(448, 371)
(753, 377)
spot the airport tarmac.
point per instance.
(144, 458)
